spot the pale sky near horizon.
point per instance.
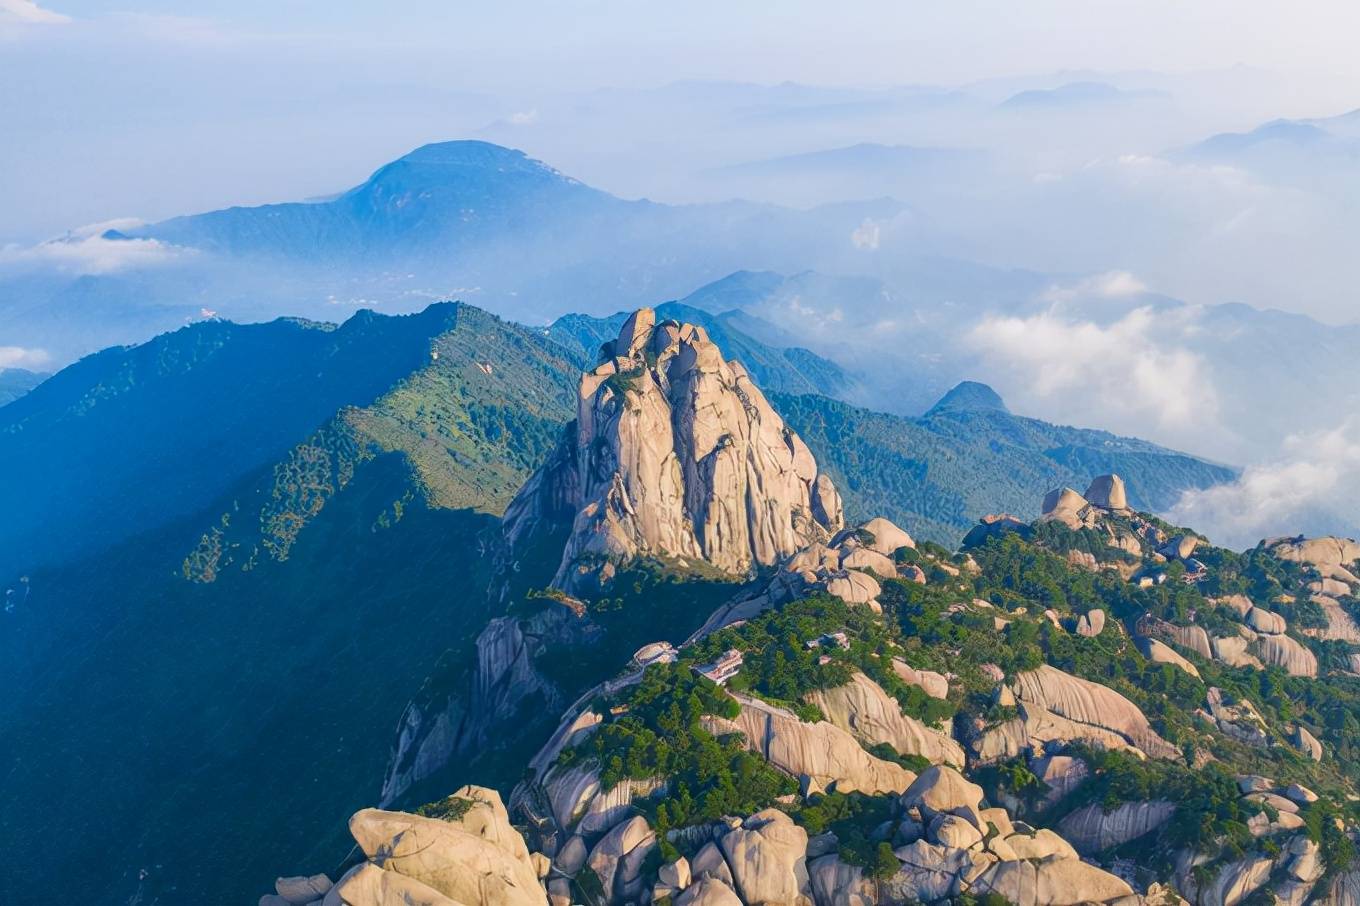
(108, 104)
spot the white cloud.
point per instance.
(87, 250)
(29, 13)
(19, 357)
(1129, 375)
(1312, 487)
(524, 118)
(867, 235)
(1109, 285)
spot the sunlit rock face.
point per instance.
(677, 456)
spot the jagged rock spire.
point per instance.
(676, 455)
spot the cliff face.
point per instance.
(676, 456)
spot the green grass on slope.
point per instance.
(473, 423)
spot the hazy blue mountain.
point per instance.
(15, 382)
(969, 396)
(865, 170)
(130, 439)
(463, 219)
(1074, 94)
(1320, 154)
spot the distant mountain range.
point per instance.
(455, 219)
(15, 382)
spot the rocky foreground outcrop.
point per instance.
(675, 455)
(469, 855)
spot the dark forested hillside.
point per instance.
(940, 473)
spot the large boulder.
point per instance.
(1092, 704)
(821, 752)
(934, 684)
(929, 873)
(941, 789)
(617, 858)
(1234, 882)
(1159, 653)
(368, 885)
(708, 892)
(1042, 844)
(1307, 743)
(885, 537)
(1055, 882)
(676, 455)
(1331, 556)
(1283, 651)
(767, 855)
(1092, 623)
(303, 889)
(1092, 829)
(1066, 506)
(1108, 492)
(475, 858)
(865, 711)
(836, 883)
(1060, 773)
(1265, 621)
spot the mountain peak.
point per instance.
(471, 153)
(675, 456)
(970, 396)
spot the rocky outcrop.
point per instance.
(936, 685)
(677, 456)
(368, 885)
(865, 711)
(618, 858)
(473, 856)
(1286, 652)
(1237, 719)
(1055, 882)
(1306, 743)
(708, 892)
(1066, 506)
(433, 731)
(1060, 773)
(1331, 556)
(1233, 883)
(942, 790)
(1035, 728)
(302, 889)
(1344, 890)
(1158, 653)
(836, 883)
(1234, 651)
(1091, 624)
(822, 754)
(1266, 622)
(767, 857)
(1340, 625)
(1085, 702)
(581, 805)
(1091, 829)
(1108, 492)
